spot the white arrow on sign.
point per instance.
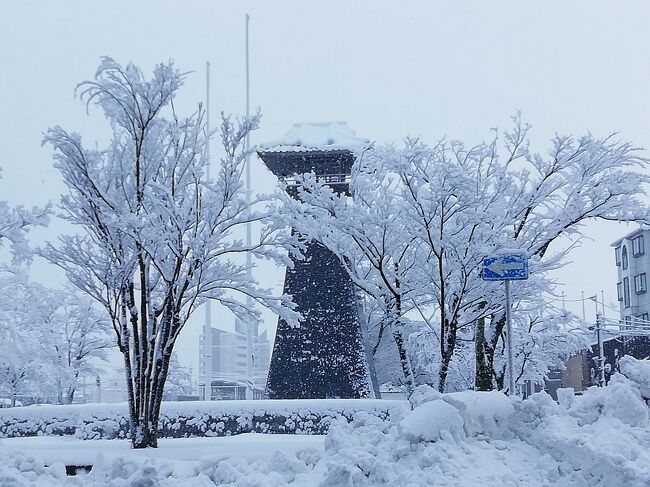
(500, 267)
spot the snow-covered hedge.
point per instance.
(192, 419)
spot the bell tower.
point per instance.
(324, 357)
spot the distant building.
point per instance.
(633, 263)
(226, 364)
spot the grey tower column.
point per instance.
(324, 357)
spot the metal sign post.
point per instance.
(511, 366)
(507, 267)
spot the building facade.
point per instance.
(633, 264)
(233, 368)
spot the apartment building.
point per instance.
(232, 371)
(633, 263)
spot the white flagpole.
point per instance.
(250, 363)
(207, 326)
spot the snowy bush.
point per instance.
(192, 419)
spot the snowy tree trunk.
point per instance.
(447, 348)
(486, 346)
(368, 349)
(484, 359)
(59, 392)
(398, 336)
(69, 397)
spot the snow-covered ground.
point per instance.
(601, 438)
(67, 450)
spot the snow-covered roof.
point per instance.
(390, 387)
(634, 233)
(316, 137)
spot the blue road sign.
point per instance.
(507, 267)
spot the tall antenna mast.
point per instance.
(207, 326)
(250, 363)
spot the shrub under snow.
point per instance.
(191, 419)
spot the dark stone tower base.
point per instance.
(324, 356)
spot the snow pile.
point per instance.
(431, 421)
(483, 413)
(603, 434)
(422, 394)
(18, 469)
(638, 371)
(370, 452)
(191, 419)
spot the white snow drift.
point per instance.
(601, 438)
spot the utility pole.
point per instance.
(250, 362)
(206, 359)
(601, 350)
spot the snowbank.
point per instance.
(638, 371)
(601, 438)
(483, 413)
(603, 434)
(432, 421)
(192, 419)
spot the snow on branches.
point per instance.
(160, 238)
(15, 223)
(421, 219)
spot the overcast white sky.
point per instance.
(388, 68)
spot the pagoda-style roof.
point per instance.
(327, 148)
(317, 137)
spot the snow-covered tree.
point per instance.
(55, 339)
(366, 232)
(159, 237)
(22, 361)
(422, 218)
(20, 368)
(15, 224)
(179, 380)
(547, 197)
(77, 336)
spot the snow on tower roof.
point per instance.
(316, 137)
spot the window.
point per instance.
(619, 290)
(638, 247)
(640, 283)
(617, 252)
(643, 317)
(626, 290)
(624, 257)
